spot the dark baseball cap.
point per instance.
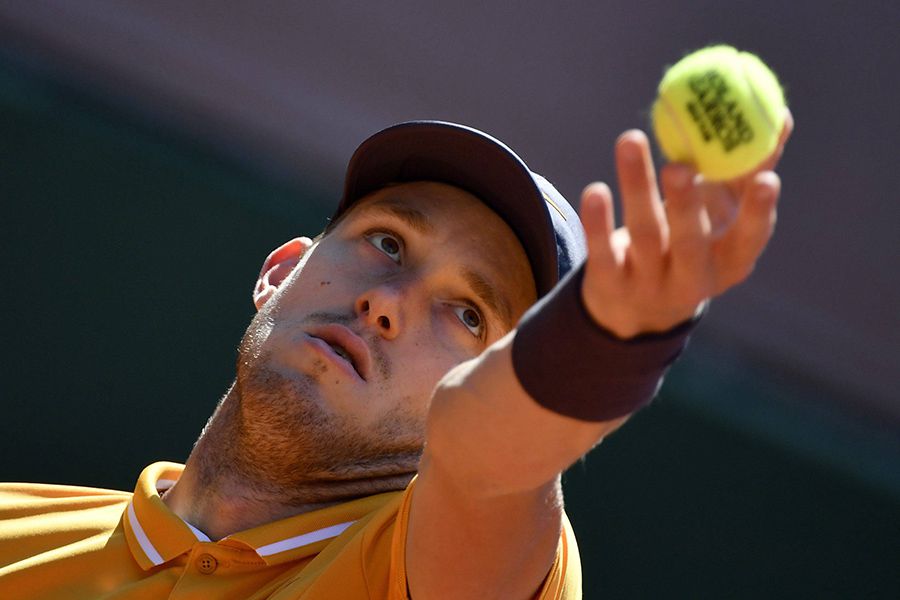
(546, 224)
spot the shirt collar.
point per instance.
(156, 535)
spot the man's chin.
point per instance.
(294, 435)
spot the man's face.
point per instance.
(414, 280)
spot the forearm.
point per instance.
(485, 430)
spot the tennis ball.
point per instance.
(721, 110)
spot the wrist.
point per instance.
(628, 325)
(575, 367)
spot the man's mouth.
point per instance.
(347, 345)
(340, 351)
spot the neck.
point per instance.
(226, 506)
(226, 487)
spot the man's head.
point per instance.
(427, 263)
(542, 219)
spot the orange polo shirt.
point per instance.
(76, 542)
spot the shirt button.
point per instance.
(207, 564)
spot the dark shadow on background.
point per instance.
(129, 255)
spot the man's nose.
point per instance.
(380, 308)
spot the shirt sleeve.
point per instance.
(397, 586)
(563, 582)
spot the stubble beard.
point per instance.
(278, 437)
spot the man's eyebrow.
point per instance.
(416, 219)
(488, 294)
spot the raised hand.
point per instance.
(677, 249)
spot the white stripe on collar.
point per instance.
(303, 540)
(142, 538)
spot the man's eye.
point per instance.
(471, 318)
(387, 243)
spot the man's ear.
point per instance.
(278, 265)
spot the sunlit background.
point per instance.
(152, 153)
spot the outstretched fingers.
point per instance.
(737, 251)
(668, 258)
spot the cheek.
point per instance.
(429, 356)
(445, 341)
(320, 282)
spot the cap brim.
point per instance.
(468, 159)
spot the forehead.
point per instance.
(452, 218)
(425, 201)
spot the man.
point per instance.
(396, 427)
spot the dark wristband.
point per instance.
(570, 365)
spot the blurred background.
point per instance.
(152, 153)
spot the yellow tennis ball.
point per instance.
(719, 109)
